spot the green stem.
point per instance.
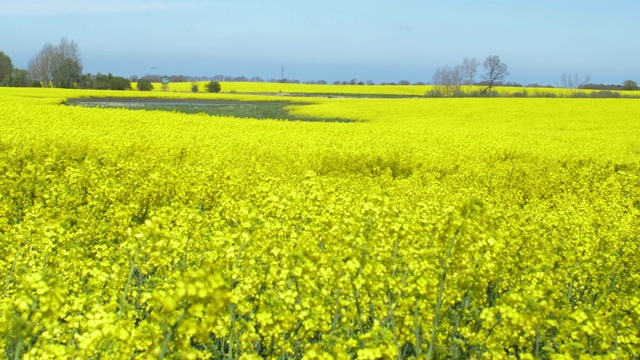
(356, 296)
(6, 284)
(336, 314)
(436, 316)
(537, 350)
(123, 302)
(416, 329)
(169, 335)
(454, 348)
(16, 353)
(233, 322)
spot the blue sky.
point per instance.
(378, 40)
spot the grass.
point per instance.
(238, 109)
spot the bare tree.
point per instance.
(56, 65)
(585, 81)
(469, 71)
(571, 82)
(448, 81)
(566, 81)
(41, 65)
(496, 70)
(68, 50)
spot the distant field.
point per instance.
(58, 96)
(390, 90)
(235, 90)
(279, 88)
(428, 228)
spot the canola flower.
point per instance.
(430, 228)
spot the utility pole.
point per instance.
(282, 74)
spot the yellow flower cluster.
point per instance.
(429, 228)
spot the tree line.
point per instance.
(626, 85)
(57, 66)
(11, 76)
(451, 81)
(61, 66)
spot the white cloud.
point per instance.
(72, 7)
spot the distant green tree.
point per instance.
(6, 67)
(629, 85)
(213, 87)
(119, 83)
(19, 78)
(194, 87)
(144, 85)
(100, 81)
(106, 82)
(67, 73)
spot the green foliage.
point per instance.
(119, 83)
(604, 94)
(6, 68)
(213, 87)
(630, 85)
(105, 82)
(194, 87)
(67, 73)
(19, 78)
(144, 85)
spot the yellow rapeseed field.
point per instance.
(364, 90)
(290, 88)
(429, 228)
